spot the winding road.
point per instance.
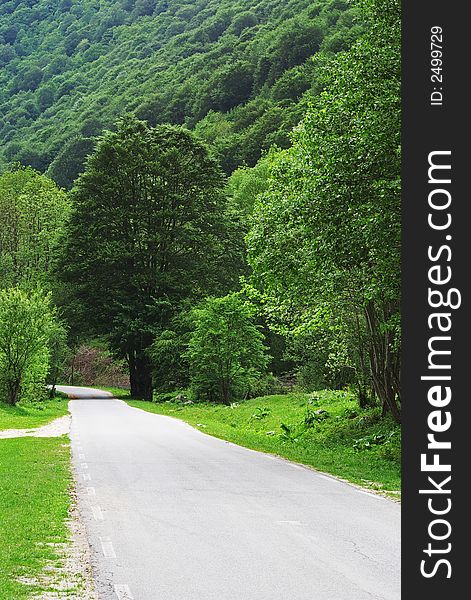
(174, 514)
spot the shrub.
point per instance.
(226, 350)
(26, 325)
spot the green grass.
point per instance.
(356, 445)
(34, 502)
(31, 414)
(117, 392)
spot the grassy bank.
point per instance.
(34, 501)
(117, 392)
(34, 414)
(357, 445)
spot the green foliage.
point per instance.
(226, 349)
(33, 213)
(63, 63)
(26, 327)
(325, 240)
(245, 184)
(147, 228)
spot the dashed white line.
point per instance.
(86, 476)
(107, 547)
(82, 456)
(84, 466)
(97, 513)
(123, 592)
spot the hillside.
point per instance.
(237, 72)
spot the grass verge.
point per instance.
(32, 414)
(117, 392)
(34, 503)
(354, 444)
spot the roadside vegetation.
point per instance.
(34, 503)
(325, 429)
(32, 414)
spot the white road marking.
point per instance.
(86, 476)
(81, 456)
(327, 478)
(84, 466)
(107, 547)
(123, 592)
(91, 491)
(371, 494)
(97, 513)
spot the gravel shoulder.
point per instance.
(56, 428)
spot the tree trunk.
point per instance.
(226, 391)
(140, 376)
(13, 392)
(384, 361)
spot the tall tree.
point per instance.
(33, 213)
(325, 244)
(146, 233)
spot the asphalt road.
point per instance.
(174, 514)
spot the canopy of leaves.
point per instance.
(26, 326)
(33, 214)
(70, 67)
(325, 241)
(226, 350)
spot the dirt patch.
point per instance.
(56, 428)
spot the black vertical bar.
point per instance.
(440, 127)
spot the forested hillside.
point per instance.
(235, 228)
(239, 73)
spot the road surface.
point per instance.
(174, 514)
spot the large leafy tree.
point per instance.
(325, 243)
(145, 235)
(33, 213)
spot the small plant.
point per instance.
(314, 399)
(260, 413)
(350, 413)
(291, 433)
(312, 417)
(370, 441)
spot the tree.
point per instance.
(70, 161)
(325, 245)
(26, 323)
(33, 213)
(226, 350)
(59, 355)
(145, 235)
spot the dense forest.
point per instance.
(239, 73)
(209, 190)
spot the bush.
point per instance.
(26, 325)
(226, 350)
